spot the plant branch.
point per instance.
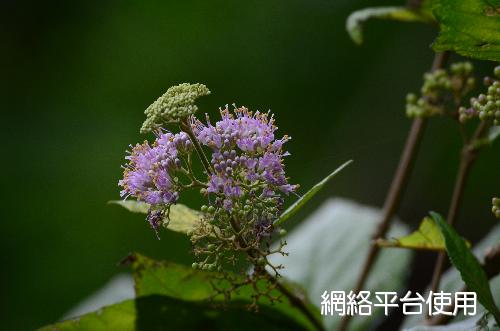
(395, 193)
(294, 300)
(468, 156)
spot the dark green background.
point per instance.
(77, 75)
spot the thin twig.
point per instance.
(294, 300)
(395, 193)
(184, 125)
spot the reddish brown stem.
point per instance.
(395, 193)
(468, 156)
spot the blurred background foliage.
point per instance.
(77, 76)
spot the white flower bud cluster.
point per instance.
(176, 104)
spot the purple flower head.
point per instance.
(245, 153)
(148, 176)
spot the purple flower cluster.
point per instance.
(245, 154)
(149, 174)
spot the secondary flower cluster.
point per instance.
(485, 106)
(495, 208)
(151, 174)
(439, 88)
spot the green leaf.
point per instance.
(469, 27)
(171, 279)
(328, 249)
(185, 283)
(181, 218)
(132, 205)
(156, 312)
(427, 237)
(297, 205)
(469, 267)
(355, 21)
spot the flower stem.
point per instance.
(468, 156)
(184, 125)
(395, 193)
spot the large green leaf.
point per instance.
(469, 267)
(156, 312)
(355, 21)
(181, 218)
(181, 282)
(297, 205)
(327, 251)
(452, 282)
(469, 27)
(171, 279)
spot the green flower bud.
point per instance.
(496, 71)
(411, 98)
